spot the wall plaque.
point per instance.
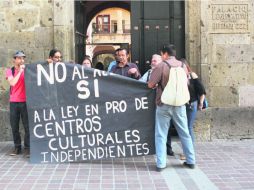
(229, 18)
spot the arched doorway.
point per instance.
(85, 11)
(107, 27)
(153, 23)
(103, 54)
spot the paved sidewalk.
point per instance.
(220, 165)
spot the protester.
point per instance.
(156, 59)
(99, 66)
(170, 151)
(197, 96)
(125, 68)
(87, 62)
(165, 112)
(55, 56)
(115, 61)
(18, 108)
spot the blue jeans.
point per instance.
(164, 114)
(191, 115)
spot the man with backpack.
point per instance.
(16, 79)
(171, 96)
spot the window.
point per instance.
(103, 23)
(113, 26)
(126, 27)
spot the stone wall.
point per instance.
(219, 46)
(34, 26)
(227, 67)
(28, 26)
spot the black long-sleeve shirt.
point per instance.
(196, 89)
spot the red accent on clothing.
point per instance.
(18, 91)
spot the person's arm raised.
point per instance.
(13, 80)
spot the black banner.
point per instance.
(78, 114)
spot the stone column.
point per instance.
(119, 22)
(227, 50)
(64, 28)
(227, 66)
(192, 34)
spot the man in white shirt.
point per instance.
(156, 59)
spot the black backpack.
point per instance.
(13, 72)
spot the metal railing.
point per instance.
(110, 29)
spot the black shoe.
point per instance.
(160, 169)
(15, 152)
(170, 153)
(191, 166)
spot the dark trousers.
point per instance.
(17, 110)
(169, 147)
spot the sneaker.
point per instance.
(15, 152)
(191, 166)
(160, 169)
(27, 152)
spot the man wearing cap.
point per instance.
(16, 79)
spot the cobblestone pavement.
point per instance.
(220, 165)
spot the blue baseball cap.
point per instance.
(19, 54)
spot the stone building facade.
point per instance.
(219, 37)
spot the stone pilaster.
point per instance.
(64, 28)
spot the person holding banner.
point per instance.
(156, 59)
(123, 67)
(55, 56)
(166, 112)
(87, 63)
(18, 108)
